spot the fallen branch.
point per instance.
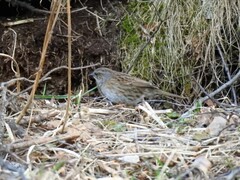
(201, 100)
(38, 141)
(228, 74)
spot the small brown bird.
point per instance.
(119, 87)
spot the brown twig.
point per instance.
(17, 72)
(69, 64)
(51, 23)
(44, 78)
(38, 141)
(18, 22)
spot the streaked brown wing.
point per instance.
(135, 82)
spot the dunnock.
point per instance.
(119, 87)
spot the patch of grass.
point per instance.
(188, 43)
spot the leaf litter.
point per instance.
(115, 142)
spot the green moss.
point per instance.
(183, 45)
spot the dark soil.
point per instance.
(90, 44)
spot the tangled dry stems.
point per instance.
(119, 142)
(194, 39)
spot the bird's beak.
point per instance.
(91, 75)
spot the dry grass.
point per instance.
(188, 39)
(116, 142)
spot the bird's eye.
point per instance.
(98, 75)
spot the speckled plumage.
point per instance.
(119, 87)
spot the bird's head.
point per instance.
(101, 75)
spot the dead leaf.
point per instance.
(216, 126)
(202, 164)
(210, 103)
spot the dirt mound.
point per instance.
(95, 37)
